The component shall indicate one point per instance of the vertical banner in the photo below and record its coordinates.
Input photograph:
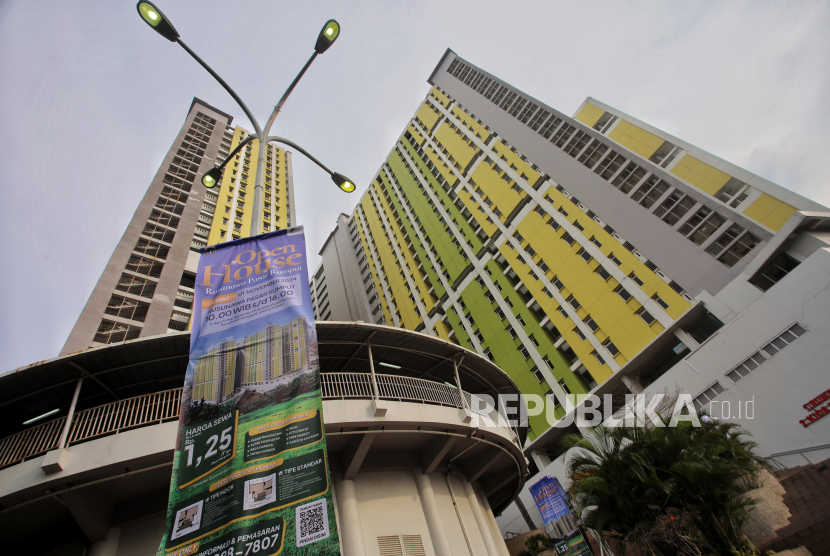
(250, 472)
(560, 524)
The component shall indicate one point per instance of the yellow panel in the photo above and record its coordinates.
(770, 212)
(589, 114)
(427, 115)
(703, 176)
(636, 139)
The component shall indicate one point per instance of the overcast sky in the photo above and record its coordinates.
(91, 100)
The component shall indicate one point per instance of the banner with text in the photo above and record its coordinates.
(250, 472)
(560, 524)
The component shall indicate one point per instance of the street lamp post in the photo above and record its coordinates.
(331, 30)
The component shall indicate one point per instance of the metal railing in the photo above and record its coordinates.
(401, 388)
(158, 407)
(92, 423)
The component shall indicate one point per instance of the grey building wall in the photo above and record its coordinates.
(340, 291)
(680, 259)
(173, 168)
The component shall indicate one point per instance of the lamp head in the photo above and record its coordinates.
(157, 20)
(343, 182)
(327, 36)
(212, 177)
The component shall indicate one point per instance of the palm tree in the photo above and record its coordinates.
(666, 490)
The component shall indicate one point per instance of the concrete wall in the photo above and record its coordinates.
(469, 531)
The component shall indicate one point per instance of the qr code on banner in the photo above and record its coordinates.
(312, 522)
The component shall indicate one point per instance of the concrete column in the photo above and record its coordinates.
(541, 459)
(350, 527)
(440, 541)
(494, 526)
(486, 536)
(632, 384)
(108, 546)
(684, 337)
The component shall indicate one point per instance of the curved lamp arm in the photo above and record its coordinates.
(339, 179)
(225, 85)
(234, 152)
(275, 139)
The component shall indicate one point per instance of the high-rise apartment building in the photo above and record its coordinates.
(147, 286)
(344, 294)
(562, 248)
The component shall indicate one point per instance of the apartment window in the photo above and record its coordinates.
(598, 357)
(562, 312)
(774, 271)
(511, 331)
(500, 314)
(520, 319)
(562, 135)
(603, 273)
(628, 178)
(708, 395)
(609, 165)
(650, 193)
(488, 354)
(725, 239)
(635, 279)
(783, 340)
(579, 226)
(479, 336)
(142, 265)
(586, 256)
(577, 143)
(151, 249)
(609, 345)
(579, 333)
(549, 126)
(158, 233)
(660, 301)
(595, 241)
(702, 232)
(534, 340)
(615, 260)
(567, 237)
(679, 211)
(746, 367)
(557, 283)
(591, 324)
(553, 224)
(111, 332)
(592, 154)
(127, 308)
(645, 315)
(548, 362)
(739, 249)
(623, 293)
(136, 286)
(573, 302)
(563, 211)
(524, 352)
(564, 386)
(509, 303)
(668, 204)
(537, 373)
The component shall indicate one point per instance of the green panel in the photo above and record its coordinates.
(409, 227)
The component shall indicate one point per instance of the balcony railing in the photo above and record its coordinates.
(159, 407)
(92, 423)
